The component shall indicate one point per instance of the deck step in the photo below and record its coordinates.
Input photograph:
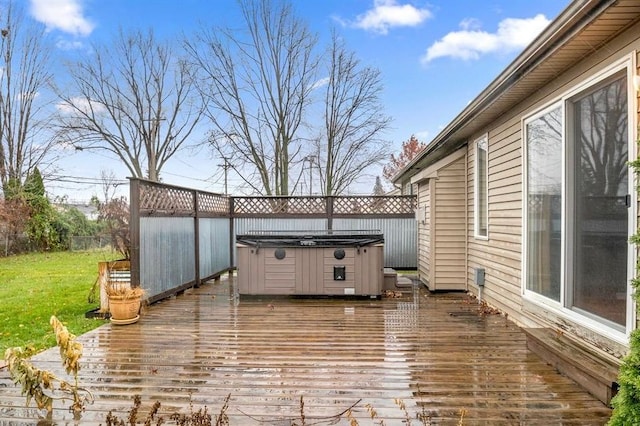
(390, 279)
(404, 282)
(393, 281)
(594, 373)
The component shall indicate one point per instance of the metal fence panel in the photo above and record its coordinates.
(168, 247)
(215, 246)
(249, 224)
(400, 238)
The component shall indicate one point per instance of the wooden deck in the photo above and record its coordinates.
(435, 353)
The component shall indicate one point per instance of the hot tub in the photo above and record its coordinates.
(311, 263)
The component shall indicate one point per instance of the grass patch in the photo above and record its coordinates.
(35, 286)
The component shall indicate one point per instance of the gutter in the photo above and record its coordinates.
(570, 22)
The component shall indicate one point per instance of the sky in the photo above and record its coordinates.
(434, 57)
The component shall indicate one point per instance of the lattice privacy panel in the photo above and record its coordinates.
(280, 205)
(164, 199)
(211, 203)
(373, 205)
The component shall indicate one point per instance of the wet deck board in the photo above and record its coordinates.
(433, 352)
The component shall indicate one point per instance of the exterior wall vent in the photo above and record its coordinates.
(478, 276)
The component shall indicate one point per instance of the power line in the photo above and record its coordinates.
(81, 180)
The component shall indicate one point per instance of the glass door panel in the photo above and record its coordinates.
(600, 212)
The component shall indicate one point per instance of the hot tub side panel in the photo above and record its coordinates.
(310, 271)
(369, 270)
(260, 272)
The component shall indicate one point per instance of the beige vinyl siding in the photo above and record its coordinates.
(424, 232)
(449, 227)
(500, 255)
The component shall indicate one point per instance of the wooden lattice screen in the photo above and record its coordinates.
(279, 206)
(374, 205)
(397, 206)
(165, 200)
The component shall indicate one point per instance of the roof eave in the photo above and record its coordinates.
(575, 16)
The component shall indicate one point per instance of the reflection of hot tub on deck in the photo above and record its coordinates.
(311, 263)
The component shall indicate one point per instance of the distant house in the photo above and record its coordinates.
(90, 211)
(527, 194)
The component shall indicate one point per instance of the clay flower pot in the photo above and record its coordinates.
(125, 309)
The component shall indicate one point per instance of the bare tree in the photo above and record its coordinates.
(353, 120)
(24, 65)
(135, 98)
(109, 184)
(258, 84)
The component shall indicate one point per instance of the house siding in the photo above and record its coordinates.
(424, 233)
(442, 224)
(449, 230)
(501, 253)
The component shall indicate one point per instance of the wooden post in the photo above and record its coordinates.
(196, 237)
(134, 230)
(232, 236)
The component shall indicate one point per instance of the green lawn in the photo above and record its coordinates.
(35, 286)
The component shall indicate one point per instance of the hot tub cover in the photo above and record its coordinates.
(333, 238)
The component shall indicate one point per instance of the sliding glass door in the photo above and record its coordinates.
(577, 208)
(600, 202)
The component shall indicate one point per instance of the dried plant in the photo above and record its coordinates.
(463, 413)
(43, 386)
(373, 413)
(124, 290)
(201, 417)
(115, 213)
(302, 418)
(403, 407)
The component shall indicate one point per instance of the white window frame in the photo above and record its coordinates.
(483, 140)
(628, 64)
(529, 294)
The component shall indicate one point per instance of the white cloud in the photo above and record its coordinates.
(69, 44)
(63, 15)
(25, 96)
(388, 13)
(79, 103)
(471, 43)
(322, 82)
(470, 24)
(422, 135)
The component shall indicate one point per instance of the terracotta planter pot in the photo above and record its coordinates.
(124, 310)
(105, 270)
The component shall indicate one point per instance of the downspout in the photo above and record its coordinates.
(466, 219)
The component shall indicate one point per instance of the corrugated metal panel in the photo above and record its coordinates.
(249, 224)
(215, 246)
(400, 238)
(167, 247)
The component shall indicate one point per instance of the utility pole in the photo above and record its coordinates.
(311, 159)
(226, 166)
